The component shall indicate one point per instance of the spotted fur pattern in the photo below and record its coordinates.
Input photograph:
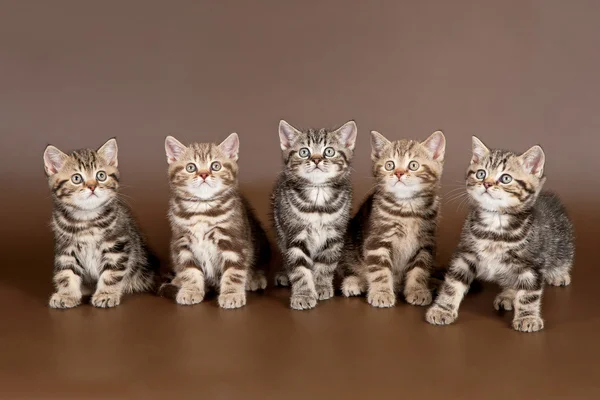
(311, 208)
(514, 235)
(216, 239)
(98, 246)
(391, 240)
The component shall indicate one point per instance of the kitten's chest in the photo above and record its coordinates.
(490, 265)
(204, 238)
(89, 255)
(405, 241)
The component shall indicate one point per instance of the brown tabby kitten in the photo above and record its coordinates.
(514, 235)
(391, 239)
(97, 242)
(217, 240)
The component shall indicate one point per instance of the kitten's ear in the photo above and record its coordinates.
(287, 134)
(479, 150)
(174, 149)
(378, 144)
(54, 160)
(347, 134)
(109, 151)
(231, 146)
(533, 161)
(436, 144)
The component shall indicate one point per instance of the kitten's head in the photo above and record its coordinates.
(318, 156)
(203, 170)
(407, 168)
(501, 181)
(84, 179)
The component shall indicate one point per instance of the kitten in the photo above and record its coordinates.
(514, 235)
(311, 208)
(217, 241)
(97, 241)
(392, 237)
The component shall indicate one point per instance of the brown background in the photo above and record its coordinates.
(74, 73)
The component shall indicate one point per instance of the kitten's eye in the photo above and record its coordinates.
(413, 166)
(329, 152)
(480, 174)
(304, 152)
(506, 178)
(215, 166)
(191, 167)
(77, 179)
(389, 165)
(101, 176)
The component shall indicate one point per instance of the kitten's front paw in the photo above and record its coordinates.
(106, 300)
(188, 297)
(421, 297)
(438, 316)
(381, 299)
(258, 282)
(528, 324)
(351, 286)
(324, 292)
(232, 300)
(63, 301)
(503, 303)
(303, 301)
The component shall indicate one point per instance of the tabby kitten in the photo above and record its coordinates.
(514, 235)
(97, 241)
(217, 241)
(311, 208)
(391, 238)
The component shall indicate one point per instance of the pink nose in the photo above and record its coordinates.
(399, 174)
(316, 161)
(92, 188)
(488, 184)
(203, 176)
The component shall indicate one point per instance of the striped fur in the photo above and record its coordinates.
(98, 246)
(311, 208)
(391, 242)
(514, 235)
(216, 239)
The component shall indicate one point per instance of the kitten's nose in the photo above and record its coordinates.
(399, 173)
(203, 175)
(317, 160)
(488, 184)
(92, 188)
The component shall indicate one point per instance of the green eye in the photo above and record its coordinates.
(329, 152)
(101, 176)
(304, 152)
(506, 178)
(77, 179)
(215, 166)
(191, 167)
(390, 165)
(480, 174)
(413, 166)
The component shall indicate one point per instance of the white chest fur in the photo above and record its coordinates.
(89, 255)
(203, 245)
(405, 242)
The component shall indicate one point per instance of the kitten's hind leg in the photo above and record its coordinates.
(560, 276)
(282, 279)
(256, 281)
(505, 300)
(353, 285)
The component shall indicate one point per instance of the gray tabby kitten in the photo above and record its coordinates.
(392, 237)
(311, 208)
(97, 241)
(514, 235)
(217, 241)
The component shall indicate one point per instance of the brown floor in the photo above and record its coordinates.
(74, 73)
(150, 348)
